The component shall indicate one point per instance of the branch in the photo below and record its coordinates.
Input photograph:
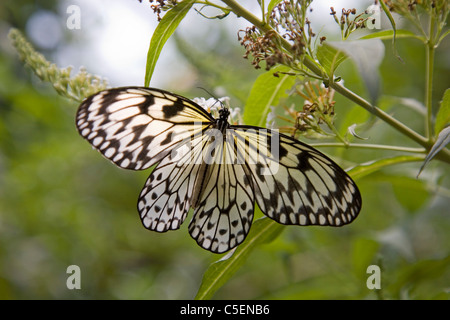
(240, 11)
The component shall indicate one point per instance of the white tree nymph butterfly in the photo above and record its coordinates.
(217, 169)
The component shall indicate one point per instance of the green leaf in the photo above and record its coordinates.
(443, 115)
(410, 192)
(389, 34)
(270, 7)
(363, 254)
(367, 55)
(412, 276)
(442, 140)
(163, 31)
(365, 169)
(264, 230)
(389, 15)
(394, 28)
(330, 57)
(266, 92)
(355, 115)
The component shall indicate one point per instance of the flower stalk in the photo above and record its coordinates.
(75, 87)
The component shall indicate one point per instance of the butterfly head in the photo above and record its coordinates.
(224, 113)
(222, 122)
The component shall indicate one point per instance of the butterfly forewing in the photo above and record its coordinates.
(137, 127)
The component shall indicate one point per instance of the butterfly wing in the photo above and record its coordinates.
(167, 195)
(224, 212)
(136, 127)
(294, 183)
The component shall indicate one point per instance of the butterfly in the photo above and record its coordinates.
(217, 169)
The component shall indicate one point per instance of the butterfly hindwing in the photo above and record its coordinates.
(166, 197)
(224, 214)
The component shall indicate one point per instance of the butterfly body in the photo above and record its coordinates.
(218, 169)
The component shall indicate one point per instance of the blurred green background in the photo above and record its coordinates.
(63, 204)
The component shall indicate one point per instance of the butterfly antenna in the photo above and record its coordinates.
(217, 99)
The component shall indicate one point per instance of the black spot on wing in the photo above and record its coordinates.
(273, 141)
(149, 101)
(303, 159)
(172, 110)
(283, 152)
(167, 139)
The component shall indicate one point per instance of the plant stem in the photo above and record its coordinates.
(240, 11)
(311, 65)
(369, 146)
(430, 48)
(208, 3)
